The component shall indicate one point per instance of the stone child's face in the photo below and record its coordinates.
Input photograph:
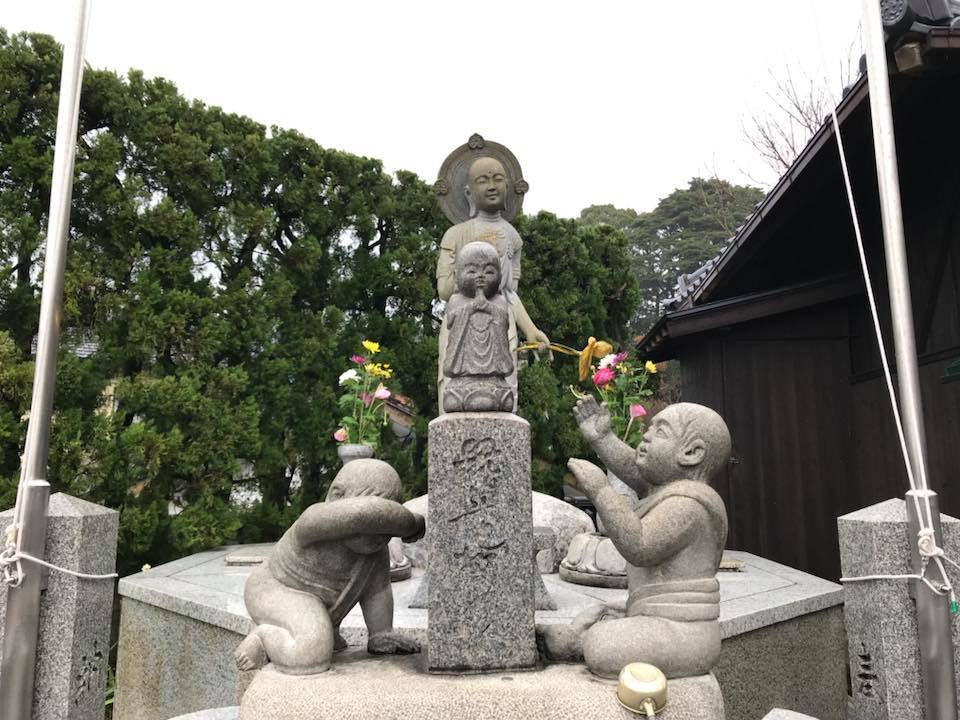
(479, 275)
(658, 451)
(487, 183)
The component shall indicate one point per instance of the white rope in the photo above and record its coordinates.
(10, 556)
(926, 541)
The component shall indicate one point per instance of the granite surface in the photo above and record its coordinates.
(170, 664)
(799, 665)
(565, 519)
(224, 713)
(880, 615)
(481, 544)
(73, 645)
(205, 618)
(362, 688)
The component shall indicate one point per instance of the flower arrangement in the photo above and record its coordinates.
(623, 386)
(362, 403)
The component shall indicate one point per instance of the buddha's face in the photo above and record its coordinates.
(479, 274)
(660, 453)
(487, 184)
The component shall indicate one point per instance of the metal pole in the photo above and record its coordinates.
(23, 612)
(23, 603)
(934, 629)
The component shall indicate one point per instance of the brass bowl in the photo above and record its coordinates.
(642, 689)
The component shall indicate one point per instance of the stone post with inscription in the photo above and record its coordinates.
(881, 616)
(73, 647)
(481, 534)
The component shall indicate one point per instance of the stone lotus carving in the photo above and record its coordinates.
(672, 540)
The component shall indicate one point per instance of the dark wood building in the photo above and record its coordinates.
(776, 332)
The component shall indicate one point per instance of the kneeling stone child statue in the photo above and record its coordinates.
(334, 556)
(672, 540)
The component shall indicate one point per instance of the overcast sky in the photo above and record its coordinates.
(602, 102)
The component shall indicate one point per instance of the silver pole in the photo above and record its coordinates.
(23, 612)
(934, 630)
(23, 603)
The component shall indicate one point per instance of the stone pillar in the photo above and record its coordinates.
(74, 640)
(481, 544)
(880, 615)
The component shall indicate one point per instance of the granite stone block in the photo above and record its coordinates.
(170, 664)
(225, 713)
(799, 665)
(481, 535)
(364, 688)
(771, 616)
(880, 615)
(73, 645)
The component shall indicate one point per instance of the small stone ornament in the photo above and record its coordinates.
(672, 538)
(334, 556)
(478, 361)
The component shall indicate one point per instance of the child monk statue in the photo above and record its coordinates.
(672, 540)
(334, 556)
(478, 361)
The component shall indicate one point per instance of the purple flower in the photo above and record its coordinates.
(358, 359)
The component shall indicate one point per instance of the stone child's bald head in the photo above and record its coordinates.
(478, 268)
(366, 477)
(684, 440)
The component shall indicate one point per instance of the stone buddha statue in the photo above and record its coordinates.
(478, 359)
(487, 194)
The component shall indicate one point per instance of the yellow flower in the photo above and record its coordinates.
(371, 346)
(379, 370)
(650, 367)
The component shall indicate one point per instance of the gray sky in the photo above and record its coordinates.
(602, 102)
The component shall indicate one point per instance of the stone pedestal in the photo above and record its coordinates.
(73, 646)
(481, 544)
(366, 688)
(880, 615)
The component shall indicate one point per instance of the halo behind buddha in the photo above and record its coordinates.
(452, 179)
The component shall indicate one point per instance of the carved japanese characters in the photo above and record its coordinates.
(672, 540)
(334, 556)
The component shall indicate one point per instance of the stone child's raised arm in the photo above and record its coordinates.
(618, 457)
(366, 515)
(651, 539)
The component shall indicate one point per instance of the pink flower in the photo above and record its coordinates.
(637, 411)
(340, 435)
(366, 398)
(381, 393)
(358, 359)
(603, 376)
(619, 358)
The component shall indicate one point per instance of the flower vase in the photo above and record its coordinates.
(353, 451)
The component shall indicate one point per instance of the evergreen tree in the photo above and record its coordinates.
(687, 228)
(219, 274)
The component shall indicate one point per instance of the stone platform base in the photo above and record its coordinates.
(363, 688)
